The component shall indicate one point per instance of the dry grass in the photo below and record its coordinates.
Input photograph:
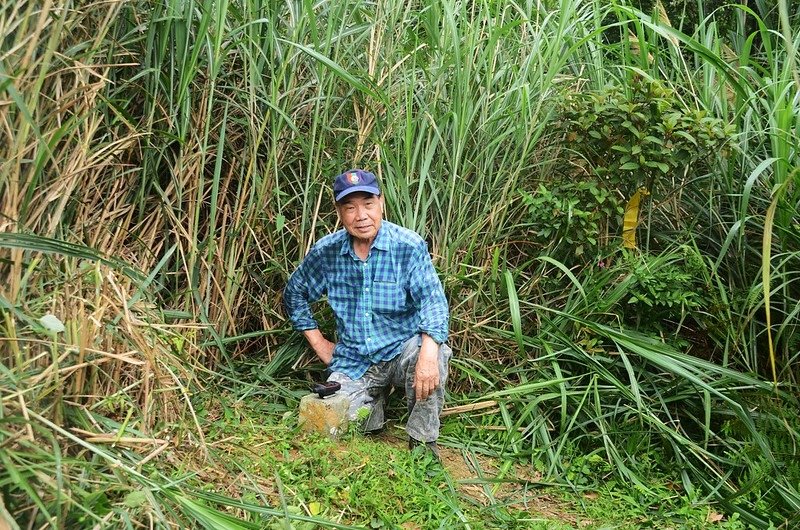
(141, 364)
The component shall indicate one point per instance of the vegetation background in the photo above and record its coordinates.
(609, 191)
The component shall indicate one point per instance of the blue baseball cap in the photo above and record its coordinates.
(352, 181)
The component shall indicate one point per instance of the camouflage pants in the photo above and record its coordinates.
(371, 390)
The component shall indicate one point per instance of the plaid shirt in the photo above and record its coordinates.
(379, 303)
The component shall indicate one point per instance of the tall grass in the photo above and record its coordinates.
(603, 382)
(166, 164)
(742, 212)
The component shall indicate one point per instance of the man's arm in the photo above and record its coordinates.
(428, 295)
(306, 285)
(426, 376)
(321, 346)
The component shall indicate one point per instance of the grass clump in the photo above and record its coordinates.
(355, 480)
(375, 482)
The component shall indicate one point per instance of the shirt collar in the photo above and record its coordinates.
(382, 240)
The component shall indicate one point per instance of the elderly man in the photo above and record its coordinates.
(391, 312)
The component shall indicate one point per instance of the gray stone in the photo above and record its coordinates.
(326, 416)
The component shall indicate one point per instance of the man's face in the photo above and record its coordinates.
(361, 215)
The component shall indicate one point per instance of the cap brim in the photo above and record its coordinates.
(368, 189)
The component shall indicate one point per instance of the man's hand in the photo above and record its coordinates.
(426, 376)
(321, 346)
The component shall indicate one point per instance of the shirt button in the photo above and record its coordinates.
(369, 339)
(366, 314)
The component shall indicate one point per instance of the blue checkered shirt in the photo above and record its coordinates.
(379, 303)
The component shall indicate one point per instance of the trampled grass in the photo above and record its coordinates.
(375, 482)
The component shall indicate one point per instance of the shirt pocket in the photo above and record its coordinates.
(341, 300)
(388, 297)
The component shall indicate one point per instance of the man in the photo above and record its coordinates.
(390, 308)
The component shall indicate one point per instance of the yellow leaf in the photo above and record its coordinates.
(315, 508)
(631, 218)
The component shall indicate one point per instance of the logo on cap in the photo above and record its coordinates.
(353, 178)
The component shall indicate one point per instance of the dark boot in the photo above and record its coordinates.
(430, 447)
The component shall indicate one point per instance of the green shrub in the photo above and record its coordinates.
(639, 135)
(571, 213)
(665, 288)
(617, 140)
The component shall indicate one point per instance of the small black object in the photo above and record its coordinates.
(326, 389)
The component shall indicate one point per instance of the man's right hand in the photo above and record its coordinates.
(321, 346)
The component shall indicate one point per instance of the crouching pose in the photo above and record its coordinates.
(391, 311)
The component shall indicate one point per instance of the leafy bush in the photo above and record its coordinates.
(619, 138)
(640, 135)
(665, 286)
(571, 213)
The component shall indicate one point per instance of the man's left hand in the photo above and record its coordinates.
(426, 376)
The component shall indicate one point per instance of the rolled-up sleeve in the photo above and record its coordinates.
(305, 286)
(428, 295)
